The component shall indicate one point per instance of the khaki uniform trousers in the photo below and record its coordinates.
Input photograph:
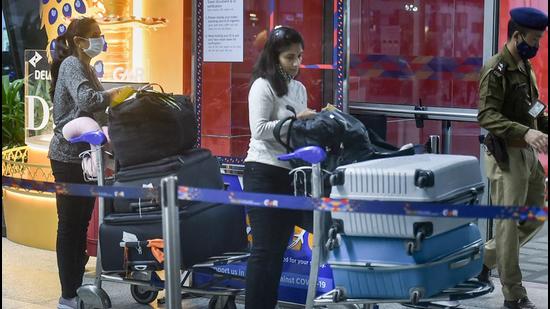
(523, 184)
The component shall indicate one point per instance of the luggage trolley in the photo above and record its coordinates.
(145, 285)
(462, 260)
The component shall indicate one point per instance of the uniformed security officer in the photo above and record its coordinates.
(509, 109)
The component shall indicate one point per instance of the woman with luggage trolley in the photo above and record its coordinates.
(273, 88)
(76, 92)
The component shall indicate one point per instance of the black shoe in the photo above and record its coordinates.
(523, 303)
(510, 304)
(485, 276)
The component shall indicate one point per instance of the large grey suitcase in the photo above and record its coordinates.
(452, 179)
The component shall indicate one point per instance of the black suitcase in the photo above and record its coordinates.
(194, 168)
(207, 229)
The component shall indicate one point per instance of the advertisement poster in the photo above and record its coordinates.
(296, 265)
(295, 276)
(223, 31)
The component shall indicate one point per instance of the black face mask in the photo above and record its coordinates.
(525, 50)
(287, 77)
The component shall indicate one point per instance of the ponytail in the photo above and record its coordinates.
(64, 46)
(60, 51)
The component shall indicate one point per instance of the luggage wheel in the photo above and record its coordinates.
(415, 245)
(332, 241)
(222, 302)
(415, 297)
(143, 294)
(331, 244)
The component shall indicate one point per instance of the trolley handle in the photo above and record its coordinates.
(95, 138)
(310, 154)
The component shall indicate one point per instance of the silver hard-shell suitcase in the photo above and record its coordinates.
(453, 179)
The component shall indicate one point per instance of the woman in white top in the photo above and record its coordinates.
(273, 88)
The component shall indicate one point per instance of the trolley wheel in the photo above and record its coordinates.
(142, 294)
(415, 297)
(229, 302)
(80, 304)
(337, 296)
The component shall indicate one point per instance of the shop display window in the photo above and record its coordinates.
(146, 42)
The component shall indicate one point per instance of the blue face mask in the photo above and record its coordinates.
(95, 48)
(525, 50)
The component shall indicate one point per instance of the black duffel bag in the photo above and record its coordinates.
(151, 126)
(345, 138)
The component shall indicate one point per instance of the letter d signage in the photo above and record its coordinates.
(33, 109)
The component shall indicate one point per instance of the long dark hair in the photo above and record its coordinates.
(64, 46)
(280, 39)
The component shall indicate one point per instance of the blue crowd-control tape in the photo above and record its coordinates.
(358, 206)
(291, 202)
(80, 189)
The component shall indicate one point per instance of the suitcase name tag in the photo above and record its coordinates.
(536, 109)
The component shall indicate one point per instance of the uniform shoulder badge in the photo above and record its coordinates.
(500, 68)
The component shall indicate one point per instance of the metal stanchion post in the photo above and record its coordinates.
(171, 235)
(101, 210)
(318, 221)
(314, 266)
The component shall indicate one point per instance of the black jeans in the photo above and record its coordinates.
(271, 231)
(73, 213)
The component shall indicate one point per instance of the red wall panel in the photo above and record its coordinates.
(540, 62)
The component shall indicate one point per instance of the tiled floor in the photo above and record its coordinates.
(29, 280)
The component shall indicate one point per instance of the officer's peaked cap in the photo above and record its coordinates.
(530, 18)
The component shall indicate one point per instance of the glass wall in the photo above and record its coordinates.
(223, 94)
(418, 52)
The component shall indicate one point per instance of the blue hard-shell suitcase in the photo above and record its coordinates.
(374, 267)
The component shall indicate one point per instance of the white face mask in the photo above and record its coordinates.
(95, 48)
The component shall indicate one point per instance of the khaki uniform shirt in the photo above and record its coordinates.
(505, 94)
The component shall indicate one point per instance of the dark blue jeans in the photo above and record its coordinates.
(73, 213)
(271, 232)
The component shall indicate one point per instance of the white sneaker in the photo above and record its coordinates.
(67, 303)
